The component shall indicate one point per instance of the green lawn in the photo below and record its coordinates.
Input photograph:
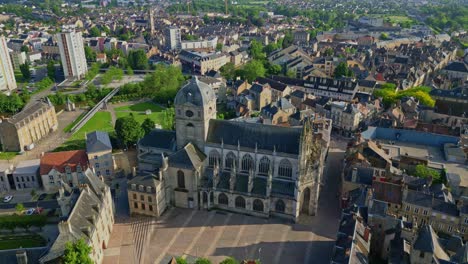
(72, 124)
(101, 121)
(24, 241)
(7, 155)
(140, 107)
(157, 117)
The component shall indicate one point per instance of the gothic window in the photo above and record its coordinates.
(280, 206)
(223, 199)
(285, 168)
(247, 162)
(214, 158)
(230, 161)
(240, 202)
(264, 166)
(180, 179)
(258, 205)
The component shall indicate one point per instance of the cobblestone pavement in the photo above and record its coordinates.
(218, 234)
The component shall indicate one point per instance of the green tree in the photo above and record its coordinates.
(228, 71)
(51, 69)
(24, 48)
(219, 46)
(342, 70)
(94, 32)
(128, 130)
(202, 261)
(329, 52)
(384, 36)
(90, 54)
(252, 70)
(423, 171)
(288, 39)
(129, 71)
(25, 71)
(256, 50)
(77, 252)
(229, 260)
(137, 59)
(148, 125)
(180, 260)
(291, 73)
(19, 208)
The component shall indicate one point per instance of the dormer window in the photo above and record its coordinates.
(67, 169)
(148, 189)
(141, 188)
(133, 186)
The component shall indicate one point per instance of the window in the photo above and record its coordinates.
(143, 206)
(450, 229)
(421, 254)
(223, 199)
(285, 168)
(466, 221)
(51, 177)
(408, 208)
(150, 199)
(134, 196)
(240, 202)
(258, 205)
(17, 178)
(135, 205)
(107, 172)
(22, 179)
(214, 158)
(416, 210)
(230, 161)
(247, 163)
(33, 179)
(95, 157)
(97, 165)
(189, 113)
(151, 208)
(280, 206)
(425, 212)
(264, 166)
(180, 179)
(142, 197)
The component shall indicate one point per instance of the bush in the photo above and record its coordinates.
(202, 261)
(22, 221)
(229, 261)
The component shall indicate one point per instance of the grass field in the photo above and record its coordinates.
(138, 111)
(101, 121)
(140, 107)
(24, 241)
(7, 155)
(72, 124)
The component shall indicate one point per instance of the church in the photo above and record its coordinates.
(206, 163)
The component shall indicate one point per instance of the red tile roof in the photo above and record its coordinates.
(59, 160)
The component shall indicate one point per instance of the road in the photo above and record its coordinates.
(49, 204)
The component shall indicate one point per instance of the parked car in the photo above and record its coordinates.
(38, 210)
(7, 198)
(30, 211)
(42, 197)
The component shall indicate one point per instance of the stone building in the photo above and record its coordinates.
(5, 171)
(255, 169)
(21, 131)
(26, 174)
(146, 195)
(99, 151)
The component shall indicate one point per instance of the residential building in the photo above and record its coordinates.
(99, 151)
(5, 172)
(7, 74)
(91, 218)
(345, 117)
(18, 58)
(66, 166)
(71, 47)
(457, 70)
(173, 38)
(21, 131)
(202, 62)
(209, 43)
(26, 174)
(146, 195)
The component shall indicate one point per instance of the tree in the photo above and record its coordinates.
(256, 50)
(229, 260)
(90, 54)
(24, 48)
(180, 260)
(252, 70)
(384, 36)
(148, 125)
(219, 46)
(77, 252)
(24, 68)
(202, 261)
(228, 71)
(328, 52)
(342, 70)
(291, 73)
(51, 69)
(288, 39)
(19, 208)
(129, 71)
(94, 32)
(128, 130)
(137, 60)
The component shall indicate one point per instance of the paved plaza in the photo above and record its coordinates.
(218, 234)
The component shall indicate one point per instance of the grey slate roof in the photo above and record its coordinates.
(188, 157)
(145, 180)
(27, 167)
(457, 66)
(98, 141)
(427, 241)
(33, 255)
(250, 135)
(159, 138)
(418, 198)
(195, 92)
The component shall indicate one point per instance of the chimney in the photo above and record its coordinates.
(21, 257)
(354, 175)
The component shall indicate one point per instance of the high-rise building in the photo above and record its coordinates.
(173, 39)
(7, 75)
(71, 47)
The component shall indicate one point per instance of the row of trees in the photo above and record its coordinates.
(229, 260)
(11, 222)
(390, 96)
(112, 74)
(10, 104)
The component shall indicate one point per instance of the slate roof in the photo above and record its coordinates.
(273, 84)
(33, 255)
(387, 192)
(98, 141)
(257, 88)
(196, 93)
(60, 160)
(145, 180)
(364, 175)
(409, 136)
(457, 66)
(188, 157)
(419, 198)
(427, 241)
(250, 135)
(159, 138)
(30, 111)
(27, 167)
(298, 94)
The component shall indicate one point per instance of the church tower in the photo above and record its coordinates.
(195, 105)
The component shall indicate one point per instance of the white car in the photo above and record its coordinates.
(30, 211)
(7, 198)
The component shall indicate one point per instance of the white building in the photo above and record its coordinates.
(72, 53)
(173, 38)
(7, 75)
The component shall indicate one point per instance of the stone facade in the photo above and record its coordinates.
(22, 130)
